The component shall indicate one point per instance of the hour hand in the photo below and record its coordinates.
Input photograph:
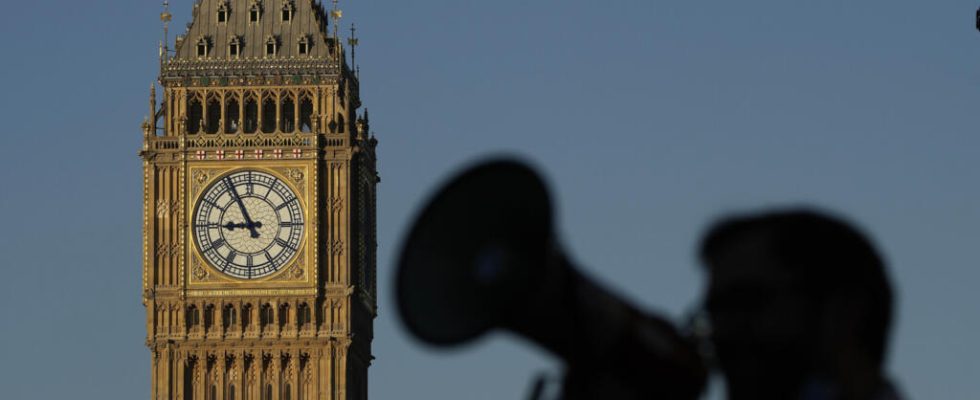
(244, 225)
(231, 226)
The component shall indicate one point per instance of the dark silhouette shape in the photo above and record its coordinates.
(483, 255)
(799, 307)
(798, 304)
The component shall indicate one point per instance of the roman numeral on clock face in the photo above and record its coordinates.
(213, 204)
(257, 229)
(285, 204)
(216, 244)
(285, 244)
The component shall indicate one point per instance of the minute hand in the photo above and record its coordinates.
(238, 199)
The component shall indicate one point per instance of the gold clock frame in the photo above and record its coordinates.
(298, 276)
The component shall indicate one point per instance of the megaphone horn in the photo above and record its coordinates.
(482, 254)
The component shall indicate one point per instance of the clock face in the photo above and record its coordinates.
(248, 224)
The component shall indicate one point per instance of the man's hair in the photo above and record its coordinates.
(825, 253)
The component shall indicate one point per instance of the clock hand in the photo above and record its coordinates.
(231, 225)
(238, 199)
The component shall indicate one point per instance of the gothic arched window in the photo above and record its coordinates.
(287, 11)
(306, 115)
(283, 316)
(195, 115)
(265, 314)
(246, 316)
(214, 116)
(271, 46)
(251, 115)
(269, 115)
(223, 12)
(232, 115)
(303, 315)
(304, 45)
(203, 47)
(228, 317)
(208, 317)
(255, 13)
(287, 115)
(235, 47)
(193, 317)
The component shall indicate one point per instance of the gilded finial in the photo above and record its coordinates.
(336, 14)
(353, 42)
(165, 17)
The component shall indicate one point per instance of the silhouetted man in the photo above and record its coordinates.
(799, 306)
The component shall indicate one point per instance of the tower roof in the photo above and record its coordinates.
(248, 37)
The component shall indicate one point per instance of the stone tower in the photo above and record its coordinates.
(259, 193)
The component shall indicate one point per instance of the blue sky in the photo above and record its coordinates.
(649, 119)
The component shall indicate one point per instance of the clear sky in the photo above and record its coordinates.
(649, 118)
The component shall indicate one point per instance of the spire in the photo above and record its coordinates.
(153, 107)
(336, 14)
(259, 41)
(165, 17)
(353, 42)
(363, 126)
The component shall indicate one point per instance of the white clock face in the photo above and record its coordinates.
(248, 224)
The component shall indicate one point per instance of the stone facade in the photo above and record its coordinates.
(233, 103)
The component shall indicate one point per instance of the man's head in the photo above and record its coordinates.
(795, 298)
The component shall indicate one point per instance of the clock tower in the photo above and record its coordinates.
(259, 197)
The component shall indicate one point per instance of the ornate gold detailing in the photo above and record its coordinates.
(199, 271)
(174, 207)
(337, 247)
(295, 271)
(190, 356)
(162, 208)
(201, 176)
(167, 249)
(295, 174)
(221, 141)
(178, 72)
(250, 292)
(336, 203)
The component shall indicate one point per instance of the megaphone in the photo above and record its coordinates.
(482, 255)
